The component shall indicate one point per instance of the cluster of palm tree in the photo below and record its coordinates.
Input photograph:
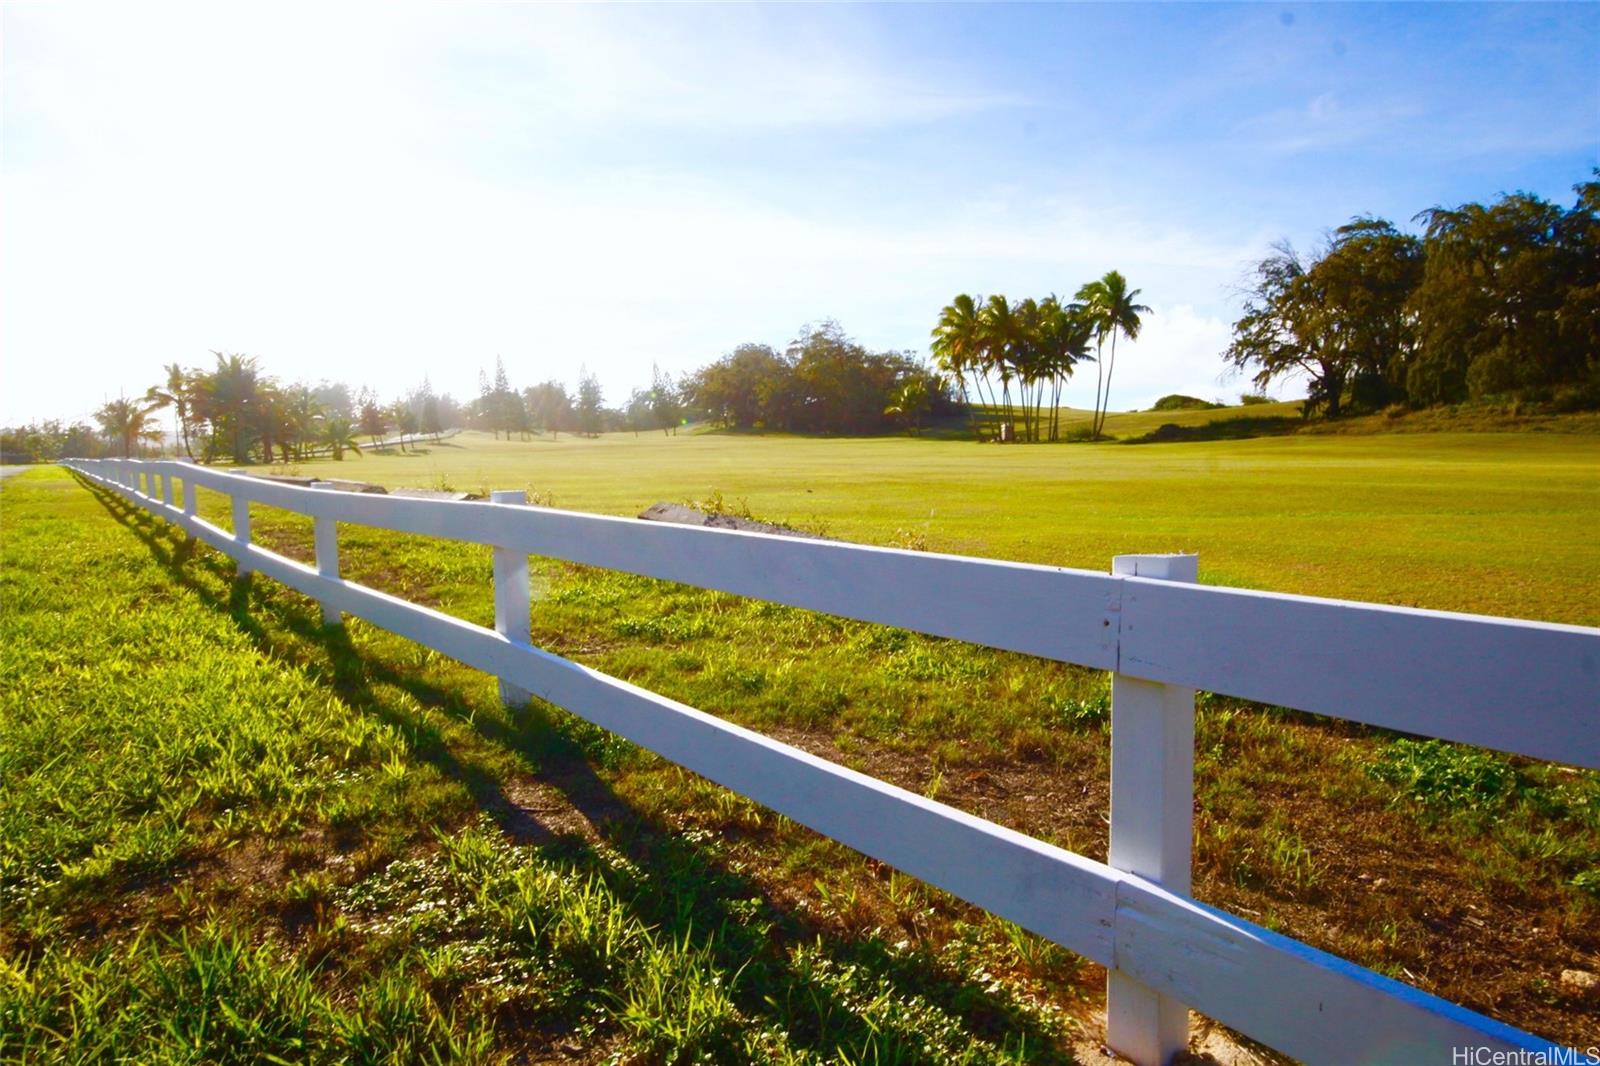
(127, 426)
(236, 411)
(1033, 346)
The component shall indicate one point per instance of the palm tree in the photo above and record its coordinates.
(127, 424)
(1112, 308)
(1064, 339)
(175, 393)
(958, 342)
(227, 398)
(274, 422)
(301, 413)
(999, 346)
(910, 402)
(1029, 356)
(339, 433)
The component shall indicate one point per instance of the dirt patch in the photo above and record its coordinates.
(535, 811)
(1386, 894)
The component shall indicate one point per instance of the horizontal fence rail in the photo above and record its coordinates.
(1524, 687)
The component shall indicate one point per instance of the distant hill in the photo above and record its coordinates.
(1179, 402)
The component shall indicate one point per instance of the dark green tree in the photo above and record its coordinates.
(589, 405)
(1507, 303)
(665, 401)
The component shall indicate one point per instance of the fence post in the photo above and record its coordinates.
(166, 488)
(512, 602)
(325, 532)
(241, 528)
(241, 534)
(1152, 821)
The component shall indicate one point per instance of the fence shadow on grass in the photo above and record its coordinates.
(672, 883)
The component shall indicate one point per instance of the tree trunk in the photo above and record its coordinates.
(1099, 376)
(1111, 368)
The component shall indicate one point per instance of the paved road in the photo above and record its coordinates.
(7, 471)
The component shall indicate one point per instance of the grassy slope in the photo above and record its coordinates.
(1125, 425)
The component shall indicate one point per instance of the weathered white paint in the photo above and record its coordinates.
(512, 603)
(1152, 808)
(1286, 994)
(325, 532)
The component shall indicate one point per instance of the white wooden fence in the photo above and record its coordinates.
(1525, 687)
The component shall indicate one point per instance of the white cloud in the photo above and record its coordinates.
(1179, 350)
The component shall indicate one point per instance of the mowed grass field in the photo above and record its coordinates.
(1493, 523)
(228, 832)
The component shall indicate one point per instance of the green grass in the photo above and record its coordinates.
(386, 858)
(228, 833)
(1494, 523)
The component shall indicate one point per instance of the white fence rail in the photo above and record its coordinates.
(1524, 687)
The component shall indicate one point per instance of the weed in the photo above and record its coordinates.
(1080, 712)
(909, 539)
(1444, 777)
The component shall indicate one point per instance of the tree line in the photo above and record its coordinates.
(822, 382)
(1036, 345)
(1488, 302)
(548, 407)
(235, 411)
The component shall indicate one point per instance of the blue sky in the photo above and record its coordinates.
(375, 193)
